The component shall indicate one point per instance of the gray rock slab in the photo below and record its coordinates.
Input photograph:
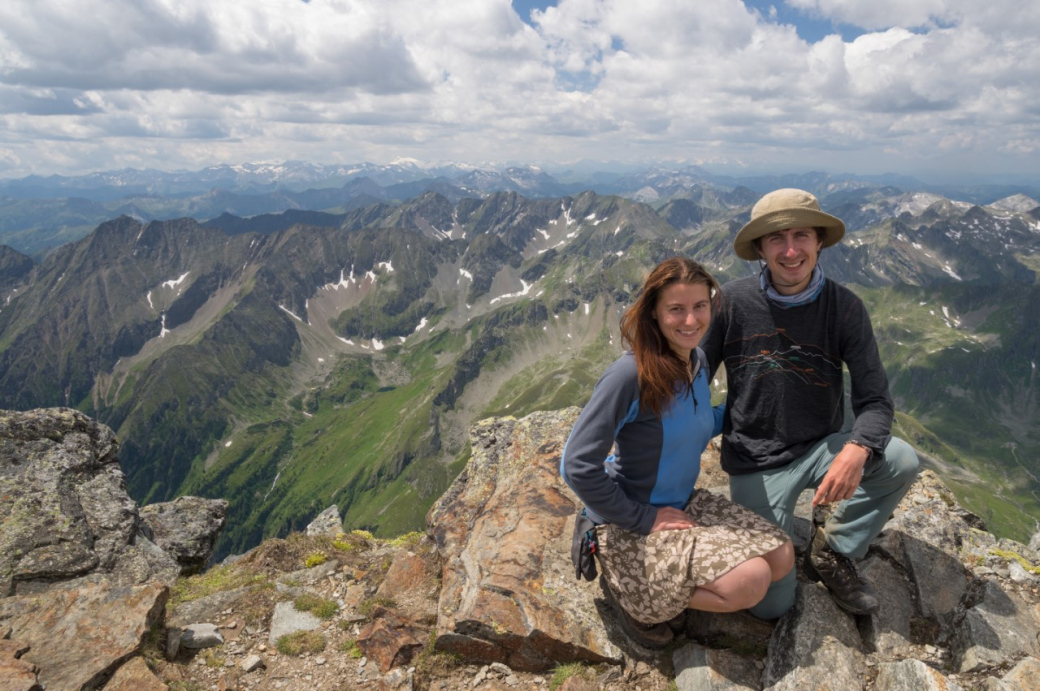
(1018, 573)
(77, 636)
(251, 663)
(926, 541)
(287, 619)
(66, 514)
(186, 528)
(889, 628)
(705, 669)
(999, 626)
(814, 646)
(912, 675)
(201, 635)
(328, 522)
(1025, 676)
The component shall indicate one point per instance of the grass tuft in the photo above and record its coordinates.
(301, 642)
(217, 580)
(315, 559)
(318, 606)
(564, 672)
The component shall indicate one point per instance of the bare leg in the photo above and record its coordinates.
(739, 588)
(780, 560)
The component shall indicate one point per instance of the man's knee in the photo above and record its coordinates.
(901, 460)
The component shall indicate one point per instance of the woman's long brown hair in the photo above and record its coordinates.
(662, 374)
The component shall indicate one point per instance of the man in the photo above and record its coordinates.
(783, 336)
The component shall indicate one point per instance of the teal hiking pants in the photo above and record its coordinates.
(855, 522)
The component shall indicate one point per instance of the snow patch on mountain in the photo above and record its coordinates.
(289, 312)
(176, 282)
(1016, 203)
(344, 281)
(524, 290)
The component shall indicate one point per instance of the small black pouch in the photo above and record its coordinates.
(583, 547)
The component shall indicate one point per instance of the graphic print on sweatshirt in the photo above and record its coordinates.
(777, 354)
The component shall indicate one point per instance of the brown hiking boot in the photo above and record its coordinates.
(839, 574)
(654, 636)
(678, 623)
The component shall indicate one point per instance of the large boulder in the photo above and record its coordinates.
(81, 585)
(815, 641)
(185, 528)
(80, 636)
(504, 527)
(65, 511)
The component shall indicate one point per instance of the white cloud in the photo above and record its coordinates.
(185, 83)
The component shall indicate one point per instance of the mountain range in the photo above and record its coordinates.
(338, 354)
(39, 213)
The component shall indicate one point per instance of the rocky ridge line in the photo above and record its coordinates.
(487, 599)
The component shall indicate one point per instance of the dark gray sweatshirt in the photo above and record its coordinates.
(784, 372)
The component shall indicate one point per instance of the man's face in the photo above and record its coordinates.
(791, 256)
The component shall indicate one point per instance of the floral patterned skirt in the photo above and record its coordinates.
(653, 576)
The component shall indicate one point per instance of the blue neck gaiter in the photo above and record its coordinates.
(811, 292)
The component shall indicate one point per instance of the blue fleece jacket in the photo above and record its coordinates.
(655, 459)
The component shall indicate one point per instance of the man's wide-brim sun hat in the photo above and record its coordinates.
(783, 209)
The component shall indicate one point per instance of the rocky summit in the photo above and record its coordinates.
(100, 594)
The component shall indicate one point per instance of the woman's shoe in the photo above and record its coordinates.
(678, 623)
(654, 636)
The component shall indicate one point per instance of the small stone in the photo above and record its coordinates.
(173, 642)
(1018, 573)
(320, 660)
(501, 669)
(199, 636)
(511, 680)
(252, 663)
(642, 668)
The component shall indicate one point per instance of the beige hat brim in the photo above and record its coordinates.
(782, 219)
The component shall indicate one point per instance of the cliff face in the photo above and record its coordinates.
(487, 598)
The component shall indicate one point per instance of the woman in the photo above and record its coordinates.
(663, 546)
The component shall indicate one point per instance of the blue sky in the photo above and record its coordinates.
(867, 86)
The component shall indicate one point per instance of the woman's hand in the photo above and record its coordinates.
(672, 519)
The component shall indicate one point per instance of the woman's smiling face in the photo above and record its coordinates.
(683, 313)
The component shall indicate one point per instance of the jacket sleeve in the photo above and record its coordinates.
(871, 400)
(615, 401)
